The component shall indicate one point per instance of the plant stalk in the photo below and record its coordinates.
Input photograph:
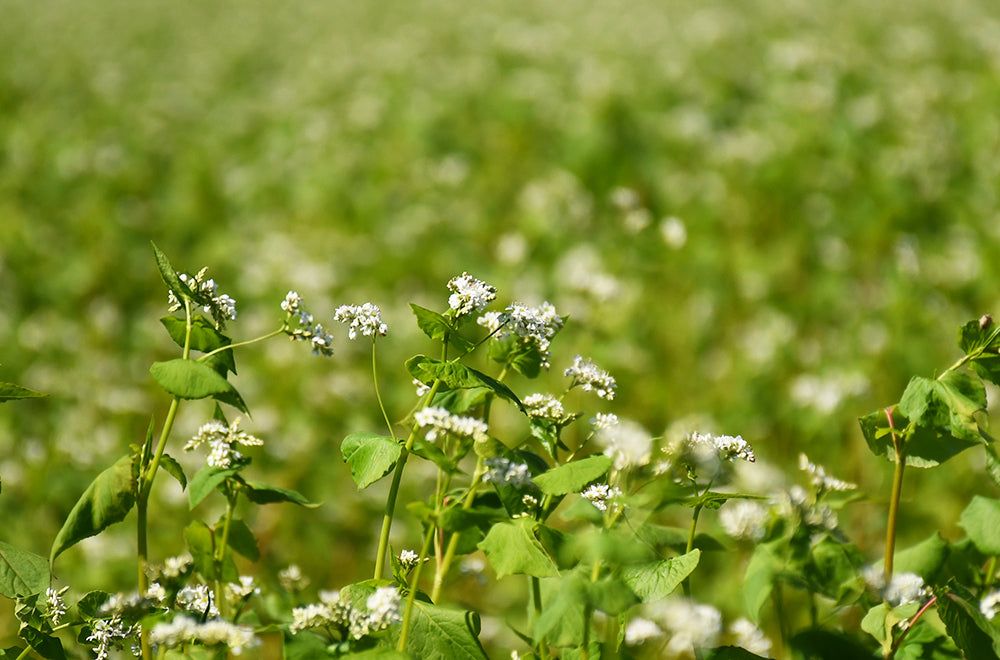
(897, 488)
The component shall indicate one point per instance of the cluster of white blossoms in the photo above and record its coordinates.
(603, 421)
(544, 407)
(206, 293)
(903, 588)
(198, 599)
(246, 587)
(469, 295)
(744, 519)
(626, 443)
(108, 633)
(502, 471)
(727, 447)
(55, 604)
(748, 636)
(292, 579)
(536, 325)
(172, 568)
(222, 441)
(316, 335)
(796, 504)
(600, 494)
(382, 609)
(990, 604)
(640, 630)
(366, 319)
(691, 626)
(822, 482)
(408, 559)
(440, 422)
(590, 377)
(184, 630)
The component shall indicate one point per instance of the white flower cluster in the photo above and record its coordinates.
(544, 407)
(382, 610)
(744, 519)
(728, 447)
(796, 504)
(990, 604)
(107, 633)
(186, 630)
(366, 319)
(321, 340)
(505, 471)
(198, 599)
(536, 325)
(691, 625)
(56, 605)
(408, 559)
(590, 377)
(640, 630)
(245, 588)
(903, 588)
(130, 606)
(440, 422)
(600, 494)
(222, 441)
(748, 636)
(820, 480)
(292, 579)
(627, 444)
(172, 568)
(469, 295)
(603, 421)
(206, 293)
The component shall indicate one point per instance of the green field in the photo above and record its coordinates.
(762, 217)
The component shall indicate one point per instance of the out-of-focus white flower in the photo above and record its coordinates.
(750, 637)
(639, 630)
(744, 519)
(903, 588)
(627, 443)
(440, 422)
(691, 626)
(602, 421)
(590, 377)
(186, 630)
(990, 604)
(820, 480)
(469, 295)
(600, 494)
(292, 579)
(366, 319)
(243, 589)
(502, 471)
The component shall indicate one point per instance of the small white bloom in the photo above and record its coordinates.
(545, 407)
(744, 519)
(590, 377)
(750, 637)
(222, 440)
(222, 307)
(603, 421)
(366, 319)
(198, 599)
(185, 630)
(408, 559)
(600, 494)
(292, 579)
(55, 603)
(627, 443)
(469, 294)
(503, 471)
(422, 388)
(692, 625)
(156, 593)
(440, 422)
(820, 480)
(906, 588)
(535, 325)
(728, 447)
(640, 630)
(243, 589)
(108, 633)
(990, 604)
(383, 608)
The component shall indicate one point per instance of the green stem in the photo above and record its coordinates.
(408, 613)
(899, 447)
(991, 570)
(449, 553)
(390, 503)
(25, 653)
(229, 347)
(378, 394)
(536, 600)
(220, 553)
(690, 546)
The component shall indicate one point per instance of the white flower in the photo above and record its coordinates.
(744, 519)
(504, 471)
(366, 319)
(198, 599)
(990, 604)
(750, 637)
(292, 579)
(222, 440)
(639, 630)
(107, 632)
(55, 603)
(627, 444)
(536, 325)
(603, 421)
(156, 593)
(590, 377)
(728, 447)
(600, 494)
(320, 339)
(383, 608)
(441, 422)
(469, 294)
(545, 407)
(184, 630)
(244, 589)
(820, 480)
(692, 625)
(206, 293)
(174, 567)
(905, 588)
(422, 388)
(408, 559)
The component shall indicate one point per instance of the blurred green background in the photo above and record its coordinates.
(765, 214)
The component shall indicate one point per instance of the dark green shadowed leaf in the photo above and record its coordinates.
(207, 479)
(820, 644)
(370, 456)
(10, 392)
(731, 653)
(174, 469)
(976, 636)
(204, 338)
(89, 606)
(573, 477)
(169, 275)
(656, 580)
(47, 646)
(259, 493)
(22, 573)
(106, 501)
(455, 375)
(241, 539)
(437, 327)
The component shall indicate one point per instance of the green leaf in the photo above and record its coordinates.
(459, 401)
(656, 580)
(174, 469)
(675, 538)
(201, 544)
(189, 379)
(241, 539)
(305, 645)
(439, 633)
(512, 548)
(731, 653)
(832, 567)
(10, 392)
(47, 646)
(969, 629)
(925, 449)
(573, 477)
(433, 453)
(981, 521)
(89, 606)
(924, 559)
(207, 480)
(949, 404)
(370, 456)
(764, 568)
(563, 602)
(169, 275)
(610, 595)
(973, 336)
(22, 573)
(455, 375)
(259, 493)
(204, 338)
(437, 327)
(523, 355)
(821, 644)
(107, 500)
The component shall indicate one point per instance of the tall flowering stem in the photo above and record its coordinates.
(899, 447)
